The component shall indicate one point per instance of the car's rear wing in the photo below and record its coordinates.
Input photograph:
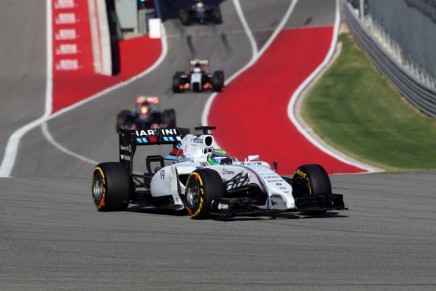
(203, 63)
(149, 99)
(130, 139)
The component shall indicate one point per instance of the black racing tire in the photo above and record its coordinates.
(216, 16)
(184, 17)
(177, 81)
(202, 187)
(217, 82)
(110, 187)
(122, 119)
(169, 118)
(221, 76)
(311, 179)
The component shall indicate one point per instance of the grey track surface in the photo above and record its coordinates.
(52, 237)
(22, 65)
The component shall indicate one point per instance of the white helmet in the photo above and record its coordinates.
(197, 70)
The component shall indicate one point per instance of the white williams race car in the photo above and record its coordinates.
(205, 181)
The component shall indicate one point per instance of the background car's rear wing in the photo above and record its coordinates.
(149, 99)
(130, 139)
(203, 63)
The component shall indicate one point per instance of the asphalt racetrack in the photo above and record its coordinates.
(53, 238)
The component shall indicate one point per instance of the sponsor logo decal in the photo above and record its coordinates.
(227, 172)
(66, 34)
(222, 206)
(151, 132)
(126, 148)
(197, 140)
(62, 4)
(238, 181)
(66, 18)
(125, 158)
(67, 49)
(67, 65)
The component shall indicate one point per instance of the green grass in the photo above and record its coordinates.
(354, 109)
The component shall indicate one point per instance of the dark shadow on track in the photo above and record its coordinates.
(279, 215)
(157, 211)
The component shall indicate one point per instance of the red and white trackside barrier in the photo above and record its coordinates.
(100, 37)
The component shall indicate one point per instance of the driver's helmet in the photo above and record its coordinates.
(199, 5)
(197, 70)
(144, 109)
(219, 157)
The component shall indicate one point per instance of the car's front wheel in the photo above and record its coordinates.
(311, 180)
(202, 187)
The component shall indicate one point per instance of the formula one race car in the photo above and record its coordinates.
(198, 78)
(205, 181)
(201, 13)
(145, 116)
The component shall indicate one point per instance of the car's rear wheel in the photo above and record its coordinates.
(122, 119)
(177, 81)
(216, 15)
(221, 76)
(202, 187)
(217, 81)
(169, 118)
(184, 17)
(311, 179)
(110, 187)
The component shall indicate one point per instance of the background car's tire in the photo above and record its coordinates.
(110, 187)
(184, 17)
(202, 187)
(311, 179)
(221, 76)
(169, 118)
(216, 16)
(122, 119)
(217, 81)
(177, 81)
(196, 87)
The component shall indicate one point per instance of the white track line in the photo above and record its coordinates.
(297, 94)
(14, 140)
(10, 154)
(93, 97)
(122, 84)
(63, 149)
(255, 53)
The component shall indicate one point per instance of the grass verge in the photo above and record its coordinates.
(354, 109)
